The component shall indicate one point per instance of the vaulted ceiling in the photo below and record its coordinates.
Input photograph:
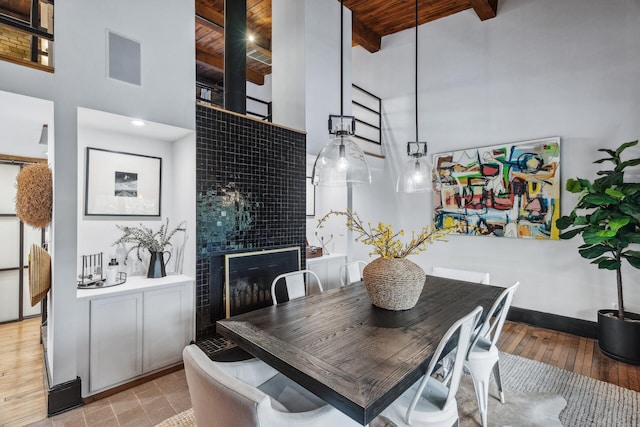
(371, 20)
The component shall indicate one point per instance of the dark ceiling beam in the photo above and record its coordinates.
(217, 62)
(485, 9)
(210, 15)
(364, 36)
(210, 24)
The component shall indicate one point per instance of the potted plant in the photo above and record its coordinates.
(155, 242)
(606, 216)
(392, 281)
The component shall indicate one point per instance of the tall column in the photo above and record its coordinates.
(235, 56)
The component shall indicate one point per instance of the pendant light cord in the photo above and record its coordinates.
(416, 73)
(341, 59)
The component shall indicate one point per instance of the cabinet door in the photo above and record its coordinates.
(333, 272)
(320, 268)
(116, 340)
(168, 325)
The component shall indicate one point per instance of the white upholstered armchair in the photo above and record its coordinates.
(251, 393)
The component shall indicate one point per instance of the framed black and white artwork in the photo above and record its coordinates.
(122, 184)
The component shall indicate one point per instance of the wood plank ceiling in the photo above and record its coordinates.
(372, 20)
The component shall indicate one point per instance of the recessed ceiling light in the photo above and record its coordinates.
(137, 122)
(251, 37)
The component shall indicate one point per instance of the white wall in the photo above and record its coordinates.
(166, 96)
(565, 68)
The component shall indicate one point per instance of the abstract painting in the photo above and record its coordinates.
(507, 190)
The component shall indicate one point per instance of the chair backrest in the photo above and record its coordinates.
(218, 397)
(469, 276)
(496, 316)
(464, 327)
(295, 284)
(351, 272)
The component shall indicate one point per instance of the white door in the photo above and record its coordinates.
(15, 237)
(115, 351)
(168, 325)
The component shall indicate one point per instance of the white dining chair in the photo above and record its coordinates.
(430, 401)
(483, 355)
(250, 394)
(296, 284)
(469, 276)
(351, 272)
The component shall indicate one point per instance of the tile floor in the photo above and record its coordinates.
(145, 405)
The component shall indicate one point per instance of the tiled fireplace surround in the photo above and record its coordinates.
(250, 180)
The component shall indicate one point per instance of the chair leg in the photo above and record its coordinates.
(481, 386)
(496, 374)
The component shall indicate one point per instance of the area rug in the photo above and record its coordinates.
(536, 394)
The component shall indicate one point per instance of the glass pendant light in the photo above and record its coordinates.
(415, 176)
(341, 162)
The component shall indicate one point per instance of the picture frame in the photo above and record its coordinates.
(504, 190)
(122, 184)
(311, 198)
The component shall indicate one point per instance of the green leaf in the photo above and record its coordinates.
(632, 162)
(624, 146)
(633, 257)
(594, 251)
(617, 223)
(580, 220)
(632, 254)
(629, 208)
(593, 235)
(607, 263)
(564, 222)
(630, 188)
(606, 233)
(573, 185)
(609, 152)
(571, 233)
(631, 237)
(635, 262)
(600, 199)
(614, 193)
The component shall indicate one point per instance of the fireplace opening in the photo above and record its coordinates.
(241, 282)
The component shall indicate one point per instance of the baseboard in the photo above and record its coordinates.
(134, 383)
(60, 397)
(570, 325)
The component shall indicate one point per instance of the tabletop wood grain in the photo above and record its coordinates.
(356, 356)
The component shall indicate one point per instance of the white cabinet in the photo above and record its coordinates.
(167, 321)
(115, 354)
(134, 329)
(327, 267)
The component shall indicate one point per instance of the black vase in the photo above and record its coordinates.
(157, 264)
(619, 339)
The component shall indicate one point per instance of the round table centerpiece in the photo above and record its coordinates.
(392, 281)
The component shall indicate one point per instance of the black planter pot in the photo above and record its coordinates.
(619, 339)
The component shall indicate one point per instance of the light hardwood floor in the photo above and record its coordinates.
(22, 399)
(22, 396)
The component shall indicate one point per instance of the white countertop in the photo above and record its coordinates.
(133, 284)
(325, 258)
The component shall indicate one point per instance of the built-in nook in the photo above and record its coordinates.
(250, 178)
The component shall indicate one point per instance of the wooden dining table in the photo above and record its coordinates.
(355, 356)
